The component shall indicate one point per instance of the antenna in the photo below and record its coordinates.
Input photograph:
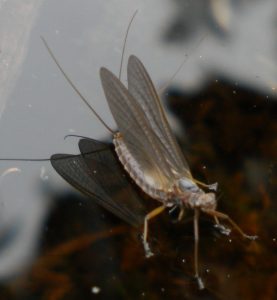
(75, 88)
(51, 159)
(79, 94)
(125, 42)
(25, 159)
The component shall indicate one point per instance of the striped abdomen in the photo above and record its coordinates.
(136, 173)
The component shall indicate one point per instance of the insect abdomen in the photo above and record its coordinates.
(135, 172)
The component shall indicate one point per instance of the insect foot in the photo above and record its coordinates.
(223, 230)
(148, 252)
(200, 282)
(251, 237)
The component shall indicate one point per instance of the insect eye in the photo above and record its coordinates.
(186, 184)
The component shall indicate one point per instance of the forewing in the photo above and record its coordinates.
(142, 89)
(138, 136)
(104, 181)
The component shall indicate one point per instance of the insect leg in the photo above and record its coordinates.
(181, 213)
(223, 229)
(147, 218)
(217, 214)
(212, 187)
(196, 246)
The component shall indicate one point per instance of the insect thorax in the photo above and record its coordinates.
(192, 196)
(204, 201)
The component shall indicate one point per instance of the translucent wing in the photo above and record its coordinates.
(143, 125)
(138, 136)
(98, 174)
(142, 89)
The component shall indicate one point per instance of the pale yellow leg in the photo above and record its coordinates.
(212, 186)
(181, 213)
(147, 218)
(217, 214)
(196, 247)
(216, 220)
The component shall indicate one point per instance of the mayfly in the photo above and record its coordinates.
(148, 151)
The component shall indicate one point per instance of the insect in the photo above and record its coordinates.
(149, 153)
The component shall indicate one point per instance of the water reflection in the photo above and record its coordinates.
(241, 38)
(194, 17)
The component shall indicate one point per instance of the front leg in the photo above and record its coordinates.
(148, 217)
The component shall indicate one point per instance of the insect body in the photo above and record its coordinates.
(144, 144)
(149, 153)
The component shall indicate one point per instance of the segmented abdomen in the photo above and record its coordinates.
(136, 173)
